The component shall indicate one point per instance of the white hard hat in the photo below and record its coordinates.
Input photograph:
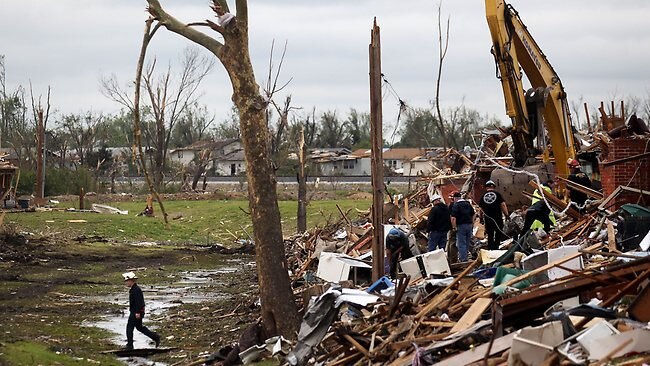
(129, 276)
(435, 197)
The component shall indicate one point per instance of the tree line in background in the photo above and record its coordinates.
(173, 117)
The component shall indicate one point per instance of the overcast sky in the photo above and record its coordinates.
(599, 48)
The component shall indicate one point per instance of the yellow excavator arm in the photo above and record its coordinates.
(541, 108)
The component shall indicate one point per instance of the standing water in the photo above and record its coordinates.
(192, 287)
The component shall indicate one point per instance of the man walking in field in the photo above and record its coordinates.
(136, 311)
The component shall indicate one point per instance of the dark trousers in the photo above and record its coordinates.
(137, 324)
(542, 216)
(493, 229)
(437, 240)
(394, 261)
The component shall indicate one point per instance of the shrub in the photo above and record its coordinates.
(58, 181)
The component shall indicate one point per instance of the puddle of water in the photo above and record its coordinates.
(192, 287)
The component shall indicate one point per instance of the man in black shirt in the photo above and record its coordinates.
(397, 249)
(577, 176)
(452, 249)
(493, 205)
(136, 311)
(438, 224)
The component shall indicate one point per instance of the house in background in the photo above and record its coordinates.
(429, 163)
(229, 160)
(185, 155)
(399, 160)
(340, 161)
(227, 156)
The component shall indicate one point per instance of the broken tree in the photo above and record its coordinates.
(279, 311)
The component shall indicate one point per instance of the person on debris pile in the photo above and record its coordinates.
(136, 312)
(537, 196)
(492, 207)
(438, 224)
(538, 211)
(462, 221)
(577, 176)
(397, 249)
(452, 249)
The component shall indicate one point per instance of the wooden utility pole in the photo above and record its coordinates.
(376, 154)
(82, 195)
(588, 120)
(40, 168)
(302, 182)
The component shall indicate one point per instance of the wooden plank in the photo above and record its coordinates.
(478, 353)
(556, 201)
(406, 208)
(139, 352)
(611, 237)
(435, 324)
(433, 303)
(579, 187)
(628, 158)
(472, 315)
(357, 345)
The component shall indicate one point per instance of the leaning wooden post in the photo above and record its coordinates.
(40, 160)
(302, 182)
(82, 195)
(588, 120)
(376, 155)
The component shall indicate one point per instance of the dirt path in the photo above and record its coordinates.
(54, 293)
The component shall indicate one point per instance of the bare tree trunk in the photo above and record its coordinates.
(442, 53)
(196, 177)
(159, 156)
(279, 310)
(302, 182)
(40, 179)
(282, 124)
(137, 132)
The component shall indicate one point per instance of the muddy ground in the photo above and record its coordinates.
(55, 291)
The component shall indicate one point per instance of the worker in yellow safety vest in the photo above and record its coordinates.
(537, 196)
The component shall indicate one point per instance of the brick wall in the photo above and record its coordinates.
(633, 173)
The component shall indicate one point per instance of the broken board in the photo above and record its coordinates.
(138, 352)
(472, 314)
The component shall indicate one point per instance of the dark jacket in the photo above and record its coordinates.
(540, 206)
(582, 179)
(439, 219)
(399, 246)
(136, 300)
(463, 212)
(399, 250)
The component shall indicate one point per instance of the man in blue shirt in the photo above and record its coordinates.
(462, 220)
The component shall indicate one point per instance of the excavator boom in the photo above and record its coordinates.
(542, 108)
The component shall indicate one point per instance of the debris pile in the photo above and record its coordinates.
(574, 295)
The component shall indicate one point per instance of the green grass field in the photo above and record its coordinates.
(202, 221)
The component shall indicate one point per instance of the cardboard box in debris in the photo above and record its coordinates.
(577, 295)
